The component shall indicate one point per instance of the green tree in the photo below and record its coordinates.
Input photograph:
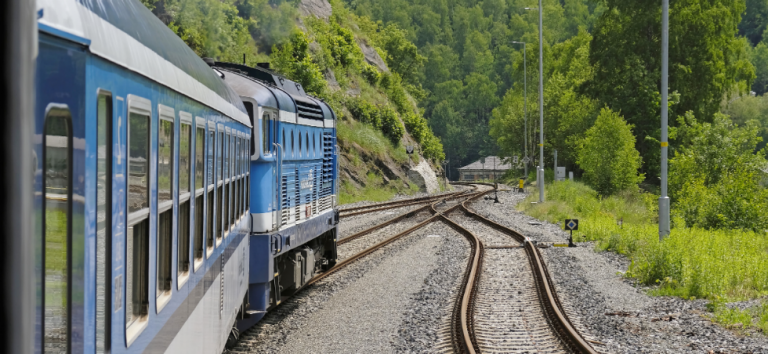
(759, 59)
(715, 174)
(706, 61)
(746, 109)
(608, 156)
(293, 60)
(754, 22)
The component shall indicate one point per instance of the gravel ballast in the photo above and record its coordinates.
(390, 301)
(610, 309)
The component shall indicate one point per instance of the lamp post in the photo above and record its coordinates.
(525, 105)
(664, 199)
(540, 176)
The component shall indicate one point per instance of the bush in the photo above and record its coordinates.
(715, 175)
(608, 156)
(390, 124)
(690, 262)
(292, 59)
(370, 73)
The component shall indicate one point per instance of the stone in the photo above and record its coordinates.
(424, 177)
(318, 8)
(372, 56)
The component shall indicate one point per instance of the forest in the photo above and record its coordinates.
(462, 75)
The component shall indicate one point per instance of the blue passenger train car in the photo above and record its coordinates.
(294, 189)
(142, 186)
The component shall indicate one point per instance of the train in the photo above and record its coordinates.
(176, 200)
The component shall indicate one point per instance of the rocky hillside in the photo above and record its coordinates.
(364, 70)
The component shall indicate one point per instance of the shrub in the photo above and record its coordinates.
(608, 156)
(370, 73)
(715, 175)
(390, 124)
(292, 59)
(364, 112)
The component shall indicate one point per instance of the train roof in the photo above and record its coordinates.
(272, 90)
(126, 33)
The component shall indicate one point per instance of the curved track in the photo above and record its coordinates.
(485, 317)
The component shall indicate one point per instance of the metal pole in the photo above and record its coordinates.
(664, 199)
(555, 165)
(541, 104)
(525, 105)
(17, 277)
(525, 109)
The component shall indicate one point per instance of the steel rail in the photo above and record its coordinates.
(402, 216)
(400, 204)
(553, 308)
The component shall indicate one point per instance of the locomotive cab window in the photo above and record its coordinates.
(57, 230)
(137, 235)
(198, 246)
(185, 196)
(165, 162)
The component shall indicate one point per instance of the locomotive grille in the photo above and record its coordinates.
(327, 171)
(298, 196)
(309, 110)
(284, 211)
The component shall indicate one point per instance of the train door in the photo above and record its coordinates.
(59, 203)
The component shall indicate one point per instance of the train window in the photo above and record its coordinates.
(165, 157)
(185, 196)
(247, 180)
(137, 235)
(220, 186)
(231, 185)
(57, 226)
(211, 187)
(103, 220)
(267, 144)
(238, 158)
(197, 246)
(227, 183)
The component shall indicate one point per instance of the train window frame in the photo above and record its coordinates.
(248, 178)
(219, 226)
(200, 124)
(228, 179)
(185, 253)
(165, 212)
(141, 107)
(210, 172)
(61, 111)
(104, 281)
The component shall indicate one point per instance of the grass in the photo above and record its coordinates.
(691, 263)
(374, 190)
(370, 140)
(755, 317)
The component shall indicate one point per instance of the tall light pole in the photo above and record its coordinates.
(664, 199)
(540, 172)
(525, 108)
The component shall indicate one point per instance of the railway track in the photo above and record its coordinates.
(499, 308)
(378, 207)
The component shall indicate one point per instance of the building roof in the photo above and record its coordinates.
(489, 165)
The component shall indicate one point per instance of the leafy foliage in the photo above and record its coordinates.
(293, 60)
(608, 155)
(715, 175)
(706, 61)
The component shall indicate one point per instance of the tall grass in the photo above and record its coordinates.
(692, 262)
(371, 140)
